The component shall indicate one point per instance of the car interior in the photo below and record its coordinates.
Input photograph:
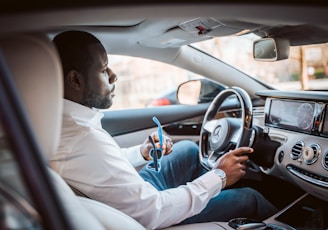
(33, 196)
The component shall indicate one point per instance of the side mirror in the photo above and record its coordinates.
(271, 49)
(198, 91)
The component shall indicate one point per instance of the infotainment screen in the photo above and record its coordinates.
(293, 115)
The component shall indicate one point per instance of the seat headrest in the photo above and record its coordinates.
(35, 66)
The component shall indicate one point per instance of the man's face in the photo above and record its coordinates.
(99, 80)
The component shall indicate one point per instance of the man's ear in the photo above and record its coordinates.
(74, 79)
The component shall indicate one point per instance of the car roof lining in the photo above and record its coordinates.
(261, 19)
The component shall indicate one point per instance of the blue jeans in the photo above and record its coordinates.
(183, 166)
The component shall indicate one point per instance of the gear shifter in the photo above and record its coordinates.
(245, 223)
(249, 224)
(257, 226)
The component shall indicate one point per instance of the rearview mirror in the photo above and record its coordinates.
(198, 91)
(271, 49)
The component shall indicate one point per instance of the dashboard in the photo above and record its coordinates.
(299, 122)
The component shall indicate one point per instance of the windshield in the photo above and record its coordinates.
(305, 69)
(146, 83)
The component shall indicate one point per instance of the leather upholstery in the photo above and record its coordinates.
(35, 66)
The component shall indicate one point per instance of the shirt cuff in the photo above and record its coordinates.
(135, 157)
(212, 182)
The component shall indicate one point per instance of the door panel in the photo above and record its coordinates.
(131, 127)
(120, 122)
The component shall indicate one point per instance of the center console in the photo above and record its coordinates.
(306, 213)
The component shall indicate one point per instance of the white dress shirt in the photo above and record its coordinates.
(89, 159)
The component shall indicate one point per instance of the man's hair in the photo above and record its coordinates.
(73, 50)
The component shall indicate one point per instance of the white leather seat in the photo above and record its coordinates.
(35, 66)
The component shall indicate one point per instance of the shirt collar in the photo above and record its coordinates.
(81, 113)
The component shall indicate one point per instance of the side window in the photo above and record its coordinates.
(144, 83)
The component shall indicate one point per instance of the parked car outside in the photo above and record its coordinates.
(167, 98)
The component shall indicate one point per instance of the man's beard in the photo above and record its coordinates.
(93, 100)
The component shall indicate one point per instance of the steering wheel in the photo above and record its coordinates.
(219, 135)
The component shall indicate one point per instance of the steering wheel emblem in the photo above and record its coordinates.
(216, 134)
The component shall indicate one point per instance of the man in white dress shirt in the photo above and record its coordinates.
(90, 160)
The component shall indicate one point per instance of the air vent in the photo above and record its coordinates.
(308, 176)
(325, 161)
(313, 157)
(297, 150)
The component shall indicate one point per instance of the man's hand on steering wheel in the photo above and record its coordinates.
(233, 164)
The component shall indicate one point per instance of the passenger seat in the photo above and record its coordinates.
(37, 73)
